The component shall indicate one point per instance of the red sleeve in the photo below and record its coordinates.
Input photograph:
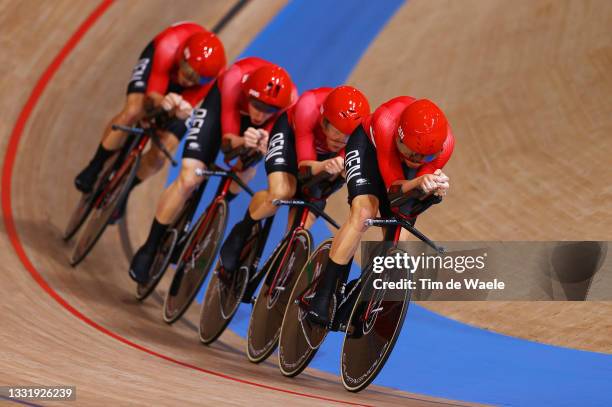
(230, 88)
(163, 61)
(305, 117)
(445, 155)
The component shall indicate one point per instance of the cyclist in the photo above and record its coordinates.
(311, 134)
(406, 142)
(175, 71)
(238, 112)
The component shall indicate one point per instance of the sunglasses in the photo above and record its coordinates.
(414, 156)
(192, 75)
(262, 107)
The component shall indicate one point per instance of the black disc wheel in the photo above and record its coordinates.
(299, 339)
(195, 261)
(374, 326)
(274, 295)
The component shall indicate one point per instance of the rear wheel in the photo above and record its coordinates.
(274, 295)
(195, 261)
(299, 339)
(374, 326)
(225, 292)
(103, 211)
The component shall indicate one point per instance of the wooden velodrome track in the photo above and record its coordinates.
(526, 86)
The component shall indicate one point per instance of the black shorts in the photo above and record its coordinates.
(203, 139)
(362, 174)
(177, 127)
(281, 154)
(142, 71)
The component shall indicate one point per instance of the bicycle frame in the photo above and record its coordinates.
(134, 152)
(229, 177)
(302, 222)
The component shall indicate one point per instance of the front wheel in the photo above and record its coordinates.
(374, 326)
(160, 264)
(195, 261)
(274, 295)
(299, 339)
(114, 193)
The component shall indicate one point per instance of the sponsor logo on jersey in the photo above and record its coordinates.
(193, 146)
(140, 69)
(352, 164)
(275, 146)
(195, 123)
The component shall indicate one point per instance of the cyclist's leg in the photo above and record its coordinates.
(153, 160)
(202, 146)
(281, 168)
(364, 201)
(281, 185)
(112, 140)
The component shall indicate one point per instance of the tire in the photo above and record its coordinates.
(222, 298)
(368, 344)
(164, 255)
(269, 308)
(160, 265)
(181, 293)
(85, 204)
(99, 216)
(295, 349)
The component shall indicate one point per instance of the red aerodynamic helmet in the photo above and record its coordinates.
(271, 85)
(345, 107)
(204, 53)
(423, 127)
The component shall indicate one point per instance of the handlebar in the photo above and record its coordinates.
(224, 174)
(154, 139)
(310, 206)
(380, 222)
(309, 181)
(248, 156)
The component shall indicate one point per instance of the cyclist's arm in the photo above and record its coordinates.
(408, 185)
(153, 100)
(231, 142)
(315, 166)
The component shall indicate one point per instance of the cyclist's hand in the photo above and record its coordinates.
(427, 183)
(251, 137)
(173, 102)
(443, 183)
(263, 141)
(334, 165)
(184, 110)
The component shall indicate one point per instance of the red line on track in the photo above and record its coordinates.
(11, 230)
